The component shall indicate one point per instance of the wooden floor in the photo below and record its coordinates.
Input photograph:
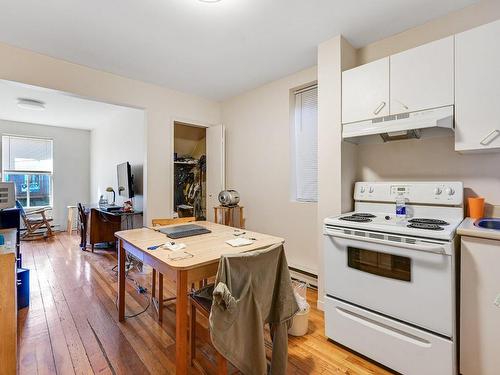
(71, 326)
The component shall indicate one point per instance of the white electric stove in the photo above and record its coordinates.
(390, 281)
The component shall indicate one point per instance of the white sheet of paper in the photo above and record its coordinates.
(174, 247)
(236, 242)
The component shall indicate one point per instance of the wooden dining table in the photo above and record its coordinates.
(201, 262)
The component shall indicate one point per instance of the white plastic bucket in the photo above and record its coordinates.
(300, 323)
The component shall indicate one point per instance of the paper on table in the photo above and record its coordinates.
(178, 255)
(236, 242)
(174, 246)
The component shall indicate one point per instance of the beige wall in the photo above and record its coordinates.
(258, 166)
(431, 159)
(329, 141)
(467, 18)
(161, 105)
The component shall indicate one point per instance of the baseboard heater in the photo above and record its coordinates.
(301, 275)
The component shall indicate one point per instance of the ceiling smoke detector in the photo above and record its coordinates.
(32, 104)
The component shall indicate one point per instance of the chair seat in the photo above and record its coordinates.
(202, 304)
(203, 299)
(37, 221)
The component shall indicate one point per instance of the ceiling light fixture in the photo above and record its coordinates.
(32, 104)
(209, 1)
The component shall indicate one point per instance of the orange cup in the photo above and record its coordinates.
(476, 207)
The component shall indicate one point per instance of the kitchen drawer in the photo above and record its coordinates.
(406, 349)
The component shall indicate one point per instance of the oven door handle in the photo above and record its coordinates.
(436, 249)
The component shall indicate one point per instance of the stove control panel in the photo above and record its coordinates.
(448, 193)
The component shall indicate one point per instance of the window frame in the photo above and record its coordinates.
(294, 190)
(31, 173)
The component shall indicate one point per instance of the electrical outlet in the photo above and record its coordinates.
(497, 301)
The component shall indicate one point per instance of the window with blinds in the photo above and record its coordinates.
(305, 145)
(28, 163)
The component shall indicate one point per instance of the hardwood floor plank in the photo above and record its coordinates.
(72, 324)
(106, 333)
(35, 357)
(60, 350)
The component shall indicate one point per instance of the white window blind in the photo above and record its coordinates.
(305, 145)
(27, 162)
(23, 154)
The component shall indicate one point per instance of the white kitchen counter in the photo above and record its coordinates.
(467, 228)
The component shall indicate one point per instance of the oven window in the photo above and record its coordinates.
(381, 264)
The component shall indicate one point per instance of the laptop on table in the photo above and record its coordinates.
(181, 231)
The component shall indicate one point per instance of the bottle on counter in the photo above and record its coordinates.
(400, 206)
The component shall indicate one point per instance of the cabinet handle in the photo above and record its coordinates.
(402, 104)
(490, 137)
(379, 108)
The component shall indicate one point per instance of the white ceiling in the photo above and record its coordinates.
(62, 109)
(214, 50)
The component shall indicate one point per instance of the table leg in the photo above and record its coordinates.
(181, 326)
(121, 282)
(160, 297)
(153, 284)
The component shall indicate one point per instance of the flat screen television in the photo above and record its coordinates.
(125, 180)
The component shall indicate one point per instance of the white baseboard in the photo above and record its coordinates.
(310, 279)
(320, 304)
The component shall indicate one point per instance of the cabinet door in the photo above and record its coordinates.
(422, 77)
(479, 307)
(365, 91)
(477, 89)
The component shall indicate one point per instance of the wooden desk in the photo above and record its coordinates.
(206, 250)
(8, 306)
(103, 225)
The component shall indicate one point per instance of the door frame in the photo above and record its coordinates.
(194, 124)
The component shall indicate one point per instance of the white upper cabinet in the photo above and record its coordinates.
(365, 91)
(477, 89)
(422, 77)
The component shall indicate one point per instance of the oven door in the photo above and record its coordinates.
(404, 278)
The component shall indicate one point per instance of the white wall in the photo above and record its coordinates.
(121, 139)
(162, 107)
(71, 163)
(258, 166)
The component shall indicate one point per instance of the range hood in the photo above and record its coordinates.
(431, 122)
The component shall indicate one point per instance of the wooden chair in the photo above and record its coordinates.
(180, 220)
(72, 210)
(203, 306)
(83, 225)
(34, 221)
(158, 302)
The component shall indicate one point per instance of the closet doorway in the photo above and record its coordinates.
(198, 169)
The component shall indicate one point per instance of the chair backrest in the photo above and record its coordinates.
(180, 220)
(82, 213)
(265, 265)
(21, 209)
(23, 215)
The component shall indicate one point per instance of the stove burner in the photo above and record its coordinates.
(426, 226)
(428, 221)
(358, 219)
(363, 214)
